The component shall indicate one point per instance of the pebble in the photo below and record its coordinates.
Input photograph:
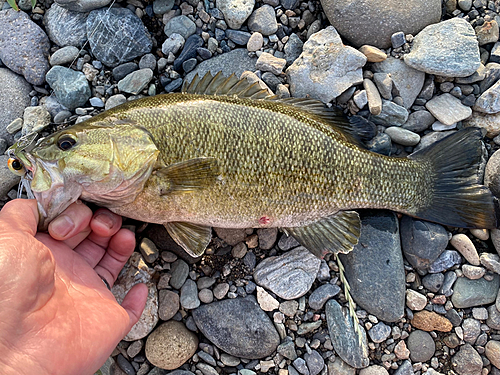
(491, 262)
(221, 290)
(179, 271)
(355, 20)
(64, 55)
(344, 339)
(373, 370)
(490, 122)
(266, 301)
(181, 25)
(70, 87)
(392, 114)
(189, 295)
(24, 46)
(430, 321)
(168, 304)
(325, 48)
(322, 294)
(115, 100)
(263, 20)
(419, 121)
(293, 48)
(268, 63)
(473, 272)
(489, 101)
(448, 109)
(123, 70)
(493, 320)
(148, 250)
(373, 54)
(118, 36)
(339, 367)
(379, 332)
(365, 265)
(136, 81)
(446, 260)
(471, 330)
(189, 51)
(161, 7)
(207, 358)
(415, 301)
(236, 12)
(252, 333)
(135, 348)
(402, 136)
(401, 351)
(467, 361)
(14, 98)
(315, 362)
(267, 237)
(470, 293)
(421, 346)
(433, 282)
(361, 99)
(447, 48)
(255, 42)
(290, 275)
(493, 352)
(372, 97)
(65, 27)
(487, 33)
(170, 345)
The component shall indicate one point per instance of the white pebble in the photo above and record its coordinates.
(482, 234)
(266, 301)
(465, 247)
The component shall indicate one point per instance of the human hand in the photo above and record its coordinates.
(56, 314)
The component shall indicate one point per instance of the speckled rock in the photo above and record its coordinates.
(170, 345)
(467, 361)
(64, 27)
(137, 271)
(489, 101)
(263, 20)
(308, 76)
(290, 275)
(470, 293)
(24, 46)
(421, 346)
(466, 247)
(493, 352)
(430, 321)
(236, 12)
(448, 109)
(70, 87)
(490, 122)
(355, 19)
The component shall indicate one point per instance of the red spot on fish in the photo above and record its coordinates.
(264, 220)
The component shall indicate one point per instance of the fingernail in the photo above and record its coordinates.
(62, 225)
(105, 220)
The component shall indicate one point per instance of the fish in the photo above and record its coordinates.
(225, 153)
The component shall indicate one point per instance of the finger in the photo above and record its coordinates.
(120, 248)
(20, 214)
(71, 223)
(134, 303)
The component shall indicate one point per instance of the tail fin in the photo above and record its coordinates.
(458, 198)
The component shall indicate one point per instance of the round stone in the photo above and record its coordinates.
(421, 346)
(493, 352)
(170, 345)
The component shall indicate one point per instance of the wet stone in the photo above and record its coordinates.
(470, 293)
(421, 346)
(379, 332)
(322, 294)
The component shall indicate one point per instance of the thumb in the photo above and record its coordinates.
(134, 303)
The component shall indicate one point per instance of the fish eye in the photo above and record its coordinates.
(65, 142)
(16, 166)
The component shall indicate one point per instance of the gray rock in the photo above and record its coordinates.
(115, 100)
(402, 136)
(293, 48)
(315, 362)
(24, 46)
(96, 102)
(339, 367)
(419, 121)
(136, 81)
(189, 295)
(446, 260)
(421, 346)
(470, 293)
(448, 109)
(491, 74)
(405, 369)
(491, 262)
(392, 114)
(301, 366)
(308, 76)
(467, 361)
(246, 331)
(267, 237)
(236, 12)
(406, 80)
(180, 271)
(147, 61)
(263, 20)
(64, 27)
(489, 101)
(83, 5)
(117, 35)
(322, 294)
(290, 275)
(447, 48)
(384, 84)
(471, 330)
(238, 37)
(64, 55)
(237, 61)
(162, 6)
(181, 25)
(433, 281)
(35, 119)
(14, 98)
(344, 339)
(383, 272)
(492, 174)
(70, 87)
(188, 52)
(287, 349)
(168, 304)
(493, 320)
(379, 332)
(355, 19)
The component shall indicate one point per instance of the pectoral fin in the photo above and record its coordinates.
(338, 233)
(193, 238)
(191, 174)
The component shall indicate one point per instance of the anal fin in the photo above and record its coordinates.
(193, 238)
(338, 233)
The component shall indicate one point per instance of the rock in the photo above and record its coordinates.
(421, 346)
(379, 332)
(236, 12)
(266, 301)
(447, 48)
(308, 76)
(489, 101)
(384, 273)
(136, 271)
(237, 61)
(246, 331)
(392, 114)
(24, 46)
(344, 339)
(470, 293)
(493, 320)
(415, 300)
(289, 308)
(136, 81)
(322, 294)
(407, 81)
(118, 36)
(293, 48)
(267, 237)
(268, 63)
(471, 330)
(493, 352)
(181, 25)
(64, 55)
(14, 98)
(290, 275)
(419, 121)
(115, 100)
(287, 349)
(361, 100)
(473, 272)
(315, 362)
(35, 119)
(64, 27)
(373, 97)
(148, 250)
(240, 38)
(491, 262)
(263, 20)
(433, 281)
(168, 304)
(189, 51)
(487, 32)
(180, 271)
(467, 361)
(465, 246)
(161, 7)
(373, 54)
(172, 44)
(402, 136)
(446, 260)
(486, 121)
(339, 367)
(189, 295)
(255, 42)
(373, 370)
(82, 5)
(448, 109)
(70, 87)
(355, 19)
(170, 345)
(430, 321)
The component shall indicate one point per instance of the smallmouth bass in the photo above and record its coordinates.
(224, 153)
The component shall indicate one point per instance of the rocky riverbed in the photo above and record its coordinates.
(427, 295)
